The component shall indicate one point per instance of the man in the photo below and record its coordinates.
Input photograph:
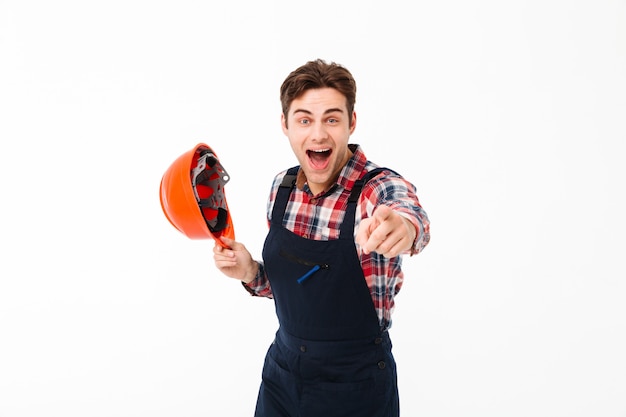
(332, 259)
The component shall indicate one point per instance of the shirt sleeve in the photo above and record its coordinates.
(399, 194)
(260, 286)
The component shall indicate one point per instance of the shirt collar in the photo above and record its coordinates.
(353, 169)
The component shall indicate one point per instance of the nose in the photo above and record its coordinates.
(319, 132)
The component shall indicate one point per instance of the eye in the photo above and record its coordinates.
(333, 121)
(304, 121)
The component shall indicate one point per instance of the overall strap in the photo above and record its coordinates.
(282, 195)
(347, 226)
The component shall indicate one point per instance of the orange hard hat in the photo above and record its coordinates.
(192, 195)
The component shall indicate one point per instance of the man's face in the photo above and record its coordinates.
(318, 129)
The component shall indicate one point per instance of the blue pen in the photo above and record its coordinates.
(308, 274)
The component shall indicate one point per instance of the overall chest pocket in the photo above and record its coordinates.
(308, 266)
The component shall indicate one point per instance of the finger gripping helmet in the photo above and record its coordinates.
(192, 195)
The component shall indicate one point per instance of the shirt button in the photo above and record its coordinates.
(313, 201)
(302, 348)
(378, 340)
(381, 365)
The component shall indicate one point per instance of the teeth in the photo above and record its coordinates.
(320, 150)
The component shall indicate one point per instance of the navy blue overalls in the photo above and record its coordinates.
(329, 357)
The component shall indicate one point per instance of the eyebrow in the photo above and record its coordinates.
(332, 110)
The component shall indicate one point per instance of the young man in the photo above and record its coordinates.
(338, 226)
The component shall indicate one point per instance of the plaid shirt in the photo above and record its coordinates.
(319, 217)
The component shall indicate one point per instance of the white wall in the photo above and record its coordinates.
(508, 116)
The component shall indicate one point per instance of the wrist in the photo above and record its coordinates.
(413, 235)
(251, 274)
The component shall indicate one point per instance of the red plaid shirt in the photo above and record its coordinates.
(319, 217)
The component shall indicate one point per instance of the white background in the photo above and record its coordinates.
(508, 116)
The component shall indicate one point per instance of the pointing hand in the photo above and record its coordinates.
(386, 233)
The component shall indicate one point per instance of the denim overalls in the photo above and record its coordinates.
(330, 357)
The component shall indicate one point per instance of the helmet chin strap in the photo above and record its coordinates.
(208, 179)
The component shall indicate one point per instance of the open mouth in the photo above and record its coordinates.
(319, 157)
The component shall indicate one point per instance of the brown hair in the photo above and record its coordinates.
(318, 74)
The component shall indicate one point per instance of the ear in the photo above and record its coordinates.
(283, 123)
(353, 124)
